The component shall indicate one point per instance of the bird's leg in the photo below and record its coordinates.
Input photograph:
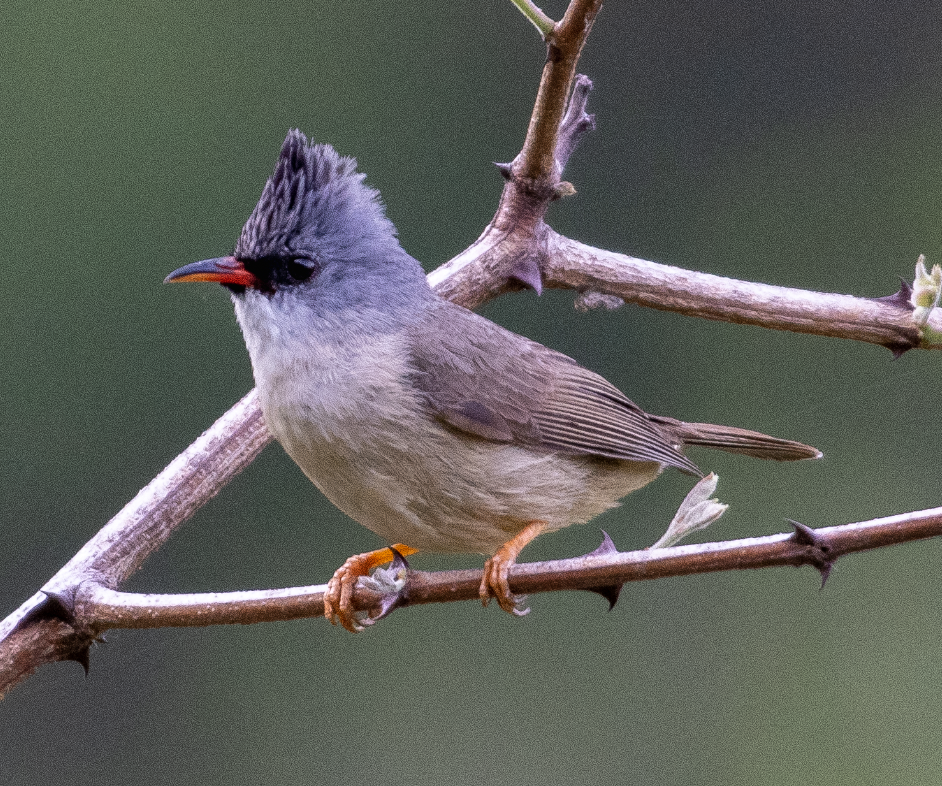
(495, 582)
(338, 605)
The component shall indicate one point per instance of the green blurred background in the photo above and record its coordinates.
(798, 144)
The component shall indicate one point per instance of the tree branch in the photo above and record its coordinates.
(536, 163)
(104, 608)
(885, 321)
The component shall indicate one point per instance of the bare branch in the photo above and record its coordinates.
(537, 160)
(568, 264)
(773, 550)
(106, 608)
(576, 123)
(100, 608)
(573, 265)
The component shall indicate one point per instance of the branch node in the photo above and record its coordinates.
(900, 299)
(904, 299)
(576, 123)
(590, 299)
(564, 189)
(820, 554)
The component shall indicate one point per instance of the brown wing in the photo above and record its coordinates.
(486, 381)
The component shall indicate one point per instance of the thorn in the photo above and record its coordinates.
(819, 556)
(900, 298)
(82, 656)
(898, 350)
(399, 562)
(527, 272)
(55, 606)
(611, 591)
(803, 533)
(506, 170)
(606, 547)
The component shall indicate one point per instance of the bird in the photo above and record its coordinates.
(427, 423)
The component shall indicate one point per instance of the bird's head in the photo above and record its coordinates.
(318, 235)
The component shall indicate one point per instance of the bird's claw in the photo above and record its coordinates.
(496, 580)
(338, 598)
(496, 584)
(388, 582)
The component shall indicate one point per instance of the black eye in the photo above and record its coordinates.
(301, 269)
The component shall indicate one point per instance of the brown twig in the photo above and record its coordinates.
(536, 164)
(105, 608)
(885, 321)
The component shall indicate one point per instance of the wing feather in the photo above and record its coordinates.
(487, 381)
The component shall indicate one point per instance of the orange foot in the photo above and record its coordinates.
(497, 569)
(338, 599)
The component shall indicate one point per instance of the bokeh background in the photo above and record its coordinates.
(797, 144)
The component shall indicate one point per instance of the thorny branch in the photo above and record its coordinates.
(516, 249)
(604, 568)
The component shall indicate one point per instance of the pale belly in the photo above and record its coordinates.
(365, 439)
(411, 480)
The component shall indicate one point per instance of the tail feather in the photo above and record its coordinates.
(736, 440)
